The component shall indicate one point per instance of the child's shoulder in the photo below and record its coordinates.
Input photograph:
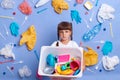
(73, 43)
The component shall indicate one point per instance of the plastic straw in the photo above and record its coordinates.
(87, 24)
(6, 30)
(36, 55)
(8, 17)
(111, 31)
(25, 19)
(19, 62)
(91, 18)
(2, 36)
(41, 10)
(6, 61)
(90, 70)
(10, 70)
(97, 66)
(101, 41)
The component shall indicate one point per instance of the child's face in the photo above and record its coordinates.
(65, 35)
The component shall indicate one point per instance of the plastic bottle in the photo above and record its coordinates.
(92, 33)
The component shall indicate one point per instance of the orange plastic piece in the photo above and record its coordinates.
(59, 5)
(90, 57)
(88, 5)
(29, 38)
(25, 8)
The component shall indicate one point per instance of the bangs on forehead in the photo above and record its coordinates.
(64, 28)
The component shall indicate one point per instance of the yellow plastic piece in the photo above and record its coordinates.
(90, 57)
(65, 72)
(88, 5)
(59, 5)
(29, 38)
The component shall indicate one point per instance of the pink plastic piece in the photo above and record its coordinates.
(25, 8)
(79, 1)
(63, 58)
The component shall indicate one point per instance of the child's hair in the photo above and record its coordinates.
(64, 26)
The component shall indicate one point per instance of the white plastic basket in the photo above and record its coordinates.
(45, 50)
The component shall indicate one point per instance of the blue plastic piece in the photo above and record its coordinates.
(63, 67)
(100, 70)
(76, 72)
(36, 54)
(51, 60)
(75, 15)
(92, 33)
(107, 48)
(96, 4)
(14, 27)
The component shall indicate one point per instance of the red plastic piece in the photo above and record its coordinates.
(98, 47)
(12, 68)
(14, 13)
(25, 8)
(74, 65)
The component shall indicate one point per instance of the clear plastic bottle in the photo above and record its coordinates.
(92, 33)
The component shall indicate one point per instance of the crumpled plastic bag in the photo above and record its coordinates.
(24, 71)
(29, 38)
(105, 13)
(7, 51)
(90, 57)
(7, 4)
(110, 62)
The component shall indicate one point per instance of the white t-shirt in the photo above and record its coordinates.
(70, 44)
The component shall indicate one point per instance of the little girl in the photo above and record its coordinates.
(64, 32)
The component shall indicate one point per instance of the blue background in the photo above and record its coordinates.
(45, 24)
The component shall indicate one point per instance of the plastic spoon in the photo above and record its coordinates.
(2, 36)
(6, 30)
(101, 41)
(90, 70)
(111, 31)
(97, 66)
(91, 18)
(19, 62)
(8, 17)
(87, 24)
(25, 19)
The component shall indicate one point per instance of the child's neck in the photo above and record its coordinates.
(65, 41)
